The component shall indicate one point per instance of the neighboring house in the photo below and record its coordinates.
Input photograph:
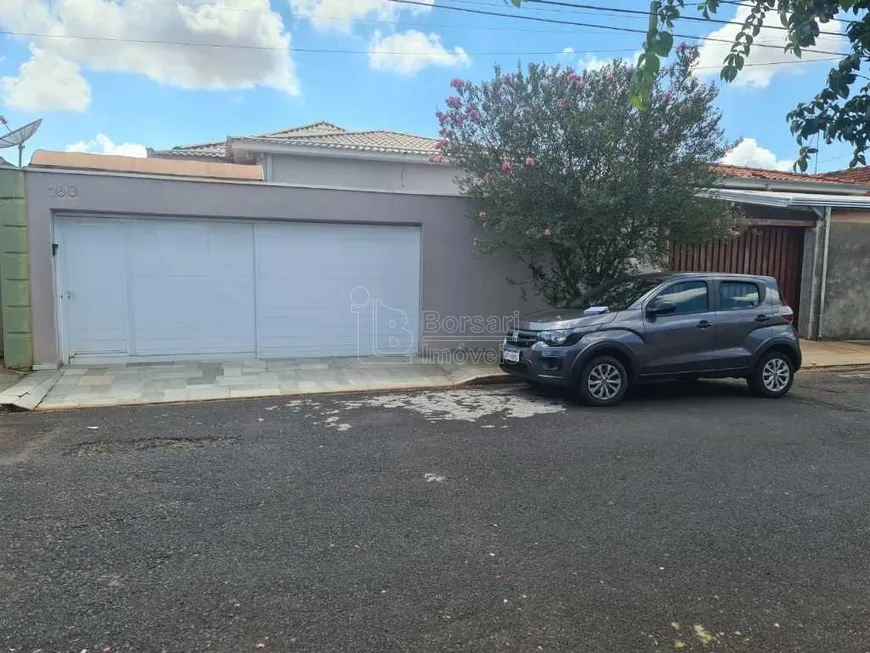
(812, 232)
(319, 241)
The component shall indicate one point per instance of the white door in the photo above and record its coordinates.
(93, 287)
(193, 286)
(186, 288)
(337, 289)
(157, 288)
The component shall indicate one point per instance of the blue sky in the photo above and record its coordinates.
(138, 79)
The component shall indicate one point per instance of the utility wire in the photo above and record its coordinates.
(614, 28)
(238, 46)
(640, 12)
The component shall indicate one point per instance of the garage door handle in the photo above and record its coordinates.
(704, 324)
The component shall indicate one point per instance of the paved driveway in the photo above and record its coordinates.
(479, 520)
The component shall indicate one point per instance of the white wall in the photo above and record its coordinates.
(358, 174)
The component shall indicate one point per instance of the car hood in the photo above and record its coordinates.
(563, 318)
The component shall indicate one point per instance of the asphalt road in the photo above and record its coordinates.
(497, 519)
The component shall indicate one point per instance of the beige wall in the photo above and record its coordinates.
(357, 174)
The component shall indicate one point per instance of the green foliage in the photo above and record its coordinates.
(839, 112)
(566, 177)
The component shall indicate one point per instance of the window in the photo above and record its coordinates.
(620, 294)
(735, 295)
(687, 296)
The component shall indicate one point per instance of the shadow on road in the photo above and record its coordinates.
(660, 391)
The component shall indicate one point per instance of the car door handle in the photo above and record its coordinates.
(704, 324)
(762, 318)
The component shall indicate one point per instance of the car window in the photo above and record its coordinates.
(738, 294)
(620, 294)
(687, 296)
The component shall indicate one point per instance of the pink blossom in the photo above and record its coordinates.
(442, 144)
(454, 102)
(458, 84)
(456, 119)
(474, 115)
(682, 47)
(482, 215)
(530, 161)
(620, 159)
(547, 232)
(666, 96)
(436, 158)
(440, 115)
(562, 104)
(608, 77)
(506, 167)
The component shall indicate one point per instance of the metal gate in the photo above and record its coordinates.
(772, 251)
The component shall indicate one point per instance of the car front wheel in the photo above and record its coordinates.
(773, 375)
(603, 382)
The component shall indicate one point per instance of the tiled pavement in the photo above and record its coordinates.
(155, 383)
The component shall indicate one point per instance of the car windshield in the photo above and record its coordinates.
(618, 295)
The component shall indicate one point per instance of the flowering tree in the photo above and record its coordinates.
(567, 177)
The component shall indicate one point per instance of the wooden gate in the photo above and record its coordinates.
(772, 251)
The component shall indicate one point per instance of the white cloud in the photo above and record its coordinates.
(766, 61)
(590, 62)
(142, 37)
(102, 144)
(750, 153)
(46, 82)
(409, 52)
(339, 14)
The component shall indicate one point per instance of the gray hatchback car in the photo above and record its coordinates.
(663, 325)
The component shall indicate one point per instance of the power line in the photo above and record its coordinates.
(239, 46)
(379, 52)
(639, 12)
(628, 30)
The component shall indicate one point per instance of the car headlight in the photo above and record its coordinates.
(559, 337)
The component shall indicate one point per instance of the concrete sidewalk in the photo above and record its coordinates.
(821, 354)
(157, 383)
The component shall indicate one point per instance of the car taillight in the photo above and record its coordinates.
(786, 313)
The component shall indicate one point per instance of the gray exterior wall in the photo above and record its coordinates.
(349, 173)
(809, 281)
(455, 281)
(847, 296)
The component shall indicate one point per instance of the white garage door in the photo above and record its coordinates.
(188, 288)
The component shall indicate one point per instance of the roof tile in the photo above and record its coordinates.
(848, 176)
(318, 134)
(763, 173)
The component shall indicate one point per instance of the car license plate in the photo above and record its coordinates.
(511, 355)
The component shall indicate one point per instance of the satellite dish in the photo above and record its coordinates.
(17, 137)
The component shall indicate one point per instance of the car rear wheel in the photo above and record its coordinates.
(603, 382)
(772, 376)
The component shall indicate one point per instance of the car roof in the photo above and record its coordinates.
(668, 276)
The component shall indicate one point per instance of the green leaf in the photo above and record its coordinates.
(663, 43)
(651, 65)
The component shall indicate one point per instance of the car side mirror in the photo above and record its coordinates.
(663, 307)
